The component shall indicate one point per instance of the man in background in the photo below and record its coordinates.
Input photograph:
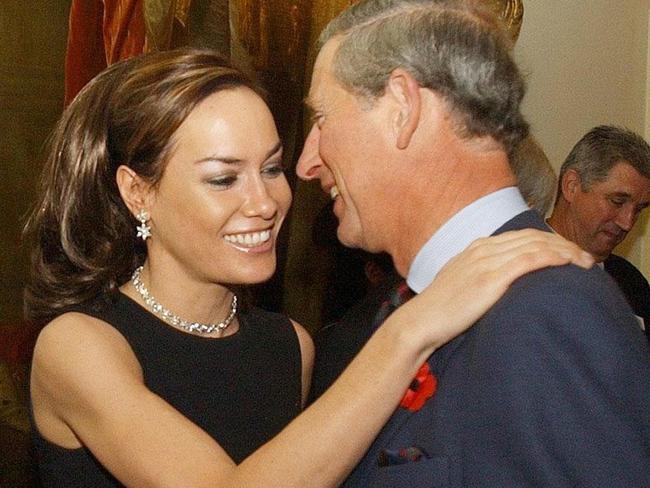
(604, 185)
(416, 109)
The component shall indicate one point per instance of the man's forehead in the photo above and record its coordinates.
(624, 181)
(314, 95)
(322, 66)
(624, 173)
(324, 85)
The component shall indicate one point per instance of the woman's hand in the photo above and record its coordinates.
(470, 283)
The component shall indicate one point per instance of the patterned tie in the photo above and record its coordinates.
(424, 384)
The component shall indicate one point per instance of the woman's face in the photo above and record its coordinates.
(219, 205)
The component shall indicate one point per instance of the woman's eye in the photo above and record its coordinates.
(273, 170)
(223, 181)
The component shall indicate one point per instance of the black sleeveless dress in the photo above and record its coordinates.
(241, 389)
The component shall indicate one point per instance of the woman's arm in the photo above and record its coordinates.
(307, 359)
(88, 387)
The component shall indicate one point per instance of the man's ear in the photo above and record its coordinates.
(134, 190)
(405, 91)
(571, 184)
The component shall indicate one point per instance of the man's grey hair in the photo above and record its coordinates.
(603, 147)
(455, 48)
(535, 176)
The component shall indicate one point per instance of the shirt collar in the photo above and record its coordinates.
(479, 219)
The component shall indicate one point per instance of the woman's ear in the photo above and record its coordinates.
(134, 190)
(405, 91)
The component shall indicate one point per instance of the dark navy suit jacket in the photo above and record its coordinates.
(551, 388)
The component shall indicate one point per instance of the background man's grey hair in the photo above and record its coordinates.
(601, 149)
(461, 51)
(535, 176)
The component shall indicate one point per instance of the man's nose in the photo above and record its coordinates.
(626, 217)
(309, 162)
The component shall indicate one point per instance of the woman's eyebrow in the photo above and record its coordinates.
(231, 160)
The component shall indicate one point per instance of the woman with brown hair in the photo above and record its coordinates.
(163, 193)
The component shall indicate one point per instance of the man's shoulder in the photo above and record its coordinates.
(556, 281)
(562, 300)
(566, 318)
(529, 219)
(569, 285)
(558, 304)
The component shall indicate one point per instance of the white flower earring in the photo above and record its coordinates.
(144, 230)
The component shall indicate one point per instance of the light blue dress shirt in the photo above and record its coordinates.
(479, 219)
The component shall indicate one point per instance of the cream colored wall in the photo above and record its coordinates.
(587, 64)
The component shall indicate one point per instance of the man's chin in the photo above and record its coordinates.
(606, 244)
(347, 237)
(602, 253)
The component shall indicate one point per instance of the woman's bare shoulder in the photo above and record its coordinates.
(76, 352)
(79, 363)
(75, 336)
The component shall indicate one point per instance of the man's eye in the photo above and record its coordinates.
(616, 202)
(317, 118)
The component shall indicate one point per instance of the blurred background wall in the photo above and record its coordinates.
(32, 47)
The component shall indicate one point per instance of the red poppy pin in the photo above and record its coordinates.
(422, 388)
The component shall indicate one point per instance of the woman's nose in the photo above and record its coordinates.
(260, 201)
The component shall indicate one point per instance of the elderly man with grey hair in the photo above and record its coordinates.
(603, 187)
(416, 112)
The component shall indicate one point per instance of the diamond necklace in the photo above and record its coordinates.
(174, 319)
